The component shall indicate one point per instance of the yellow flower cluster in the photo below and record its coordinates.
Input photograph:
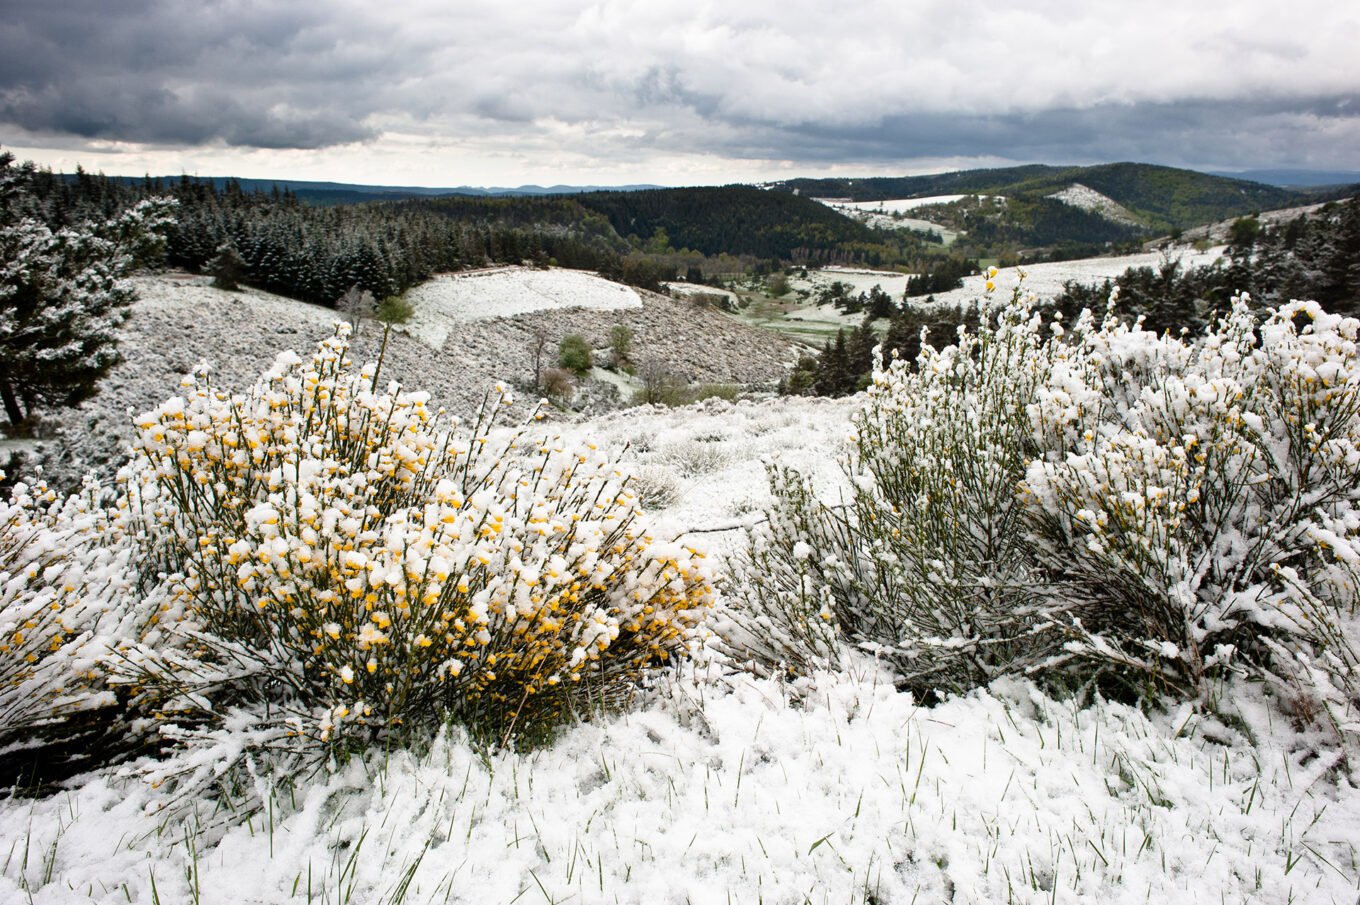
(399, 573)
(62, 581)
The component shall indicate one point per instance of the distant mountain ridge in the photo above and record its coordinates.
(348, 193)
(1297, 178)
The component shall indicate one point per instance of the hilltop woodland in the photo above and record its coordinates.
(1310, 257)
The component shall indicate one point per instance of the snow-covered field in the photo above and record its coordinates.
(1088, 199)
(718, 786)
(900, 205)
(448, 301)
(731, 789)
(1046, 280)
(887, 214)
(858, 279)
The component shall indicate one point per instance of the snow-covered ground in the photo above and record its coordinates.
(899, 205)
(683, 290)
(1046, 280)
(732, 790)
(1088, 199)
(450, 300)
(858, 279)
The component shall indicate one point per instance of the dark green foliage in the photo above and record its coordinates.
(734, 219)
(61, 294)
(941, 276)
(1164, 197)
(620, 347)
(573, 354)
(226, 268)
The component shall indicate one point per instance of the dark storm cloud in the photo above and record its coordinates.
(627, 80)
(181, 74)
(1188, 132)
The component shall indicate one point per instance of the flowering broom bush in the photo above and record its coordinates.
(340, 567)
(927, 564)
(1097, 503)
(1206, 496)
(65, 599)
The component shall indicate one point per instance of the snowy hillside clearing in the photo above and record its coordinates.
(1219, 232)
(814, 324)
(900, 205)
(1046, 279)
(1088, 199)
(448, 301)
(683, 290)
(876, 216)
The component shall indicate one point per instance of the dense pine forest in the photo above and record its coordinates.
(277, 242)
(1310, 257)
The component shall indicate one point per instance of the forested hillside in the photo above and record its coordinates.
(1163, 198)
(276, 242)
(1311, 257)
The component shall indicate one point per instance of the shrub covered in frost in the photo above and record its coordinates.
(1093, 503)
(342, 568)
(65, 600)
(927, 563)
(1206, 498)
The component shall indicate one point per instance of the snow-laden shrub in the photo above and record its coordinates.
(1097, 503)
(927, 563)
(65, 601)
(1206, 495)
(341, 567)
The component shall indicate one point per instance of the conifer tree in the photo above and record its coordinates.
(61, 299)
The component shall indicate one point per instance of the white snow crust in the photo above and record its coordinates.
(1088, 199)
(450, 300)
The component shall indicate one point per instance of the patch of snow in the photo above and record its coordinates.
(449, 301)
(1088, 199)
(900, 205)
(683, 290)
(857, 278)
(1046, 279)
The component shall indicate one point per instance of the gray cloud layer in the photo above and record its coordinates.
(1257, 83)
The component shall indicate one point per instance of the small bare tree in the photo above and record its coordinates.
(356, 305)
(537, 344)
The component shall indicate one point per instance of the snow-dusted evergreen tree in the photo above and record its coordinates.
(227, 268)
(60, 296)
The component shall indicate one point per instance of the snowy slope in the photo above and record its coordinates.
(1046, 280)
(449, 301)
(180, 320)
(1088, 199)
(900, 205)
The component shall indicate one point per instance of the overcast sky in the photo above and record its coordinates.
(506, 92)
